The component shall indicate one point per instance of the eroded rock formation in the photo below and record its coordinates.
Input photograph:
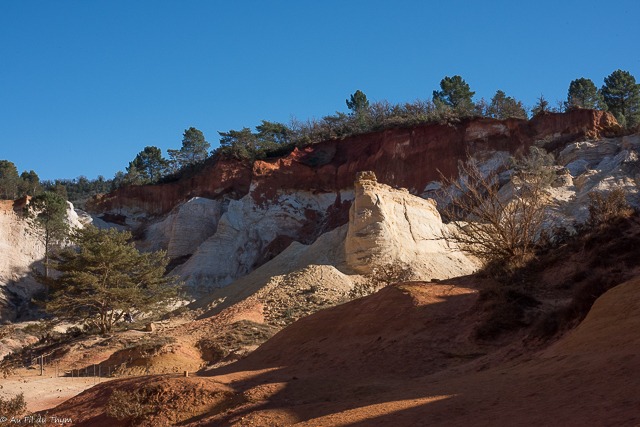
(390, 227)
(244, 215)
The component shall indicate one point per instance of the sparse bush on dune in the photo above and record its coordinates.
(129, 406)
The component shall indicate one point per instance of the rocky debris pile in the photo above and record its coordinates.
(287, 298)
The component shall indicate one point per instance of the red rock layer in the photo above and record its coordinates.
(408, 157)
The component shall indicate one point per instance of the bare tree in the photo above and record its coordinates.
(500, 226)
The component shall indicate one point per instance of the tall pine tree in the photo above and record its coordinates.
(621, 93)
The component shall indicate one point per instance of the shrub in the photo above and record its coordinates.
(129, 406)
(500, 229)
(13, 407)
(605, 209)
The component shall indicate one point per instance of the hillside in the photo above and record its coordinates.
(404, 357)
(287, 262)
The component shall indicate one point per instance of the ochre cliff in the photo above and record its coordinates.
(219, 178)
(254, 211)
(403, 157)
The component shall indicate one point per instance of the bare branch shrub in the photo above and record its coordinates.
(501, 227)
(603, 209)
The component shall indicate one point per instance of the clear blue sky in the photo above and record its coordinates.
(85, 85)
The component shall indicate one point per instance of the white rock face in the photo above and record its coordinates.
(392, 227)
(597, 166)
(243, 233)
(386, 227)
(185, 228)
(19, 251)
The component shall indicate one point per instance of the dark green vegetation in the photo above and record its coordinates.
(103, 277)
(621, 95)
(13, 185)
(584, 94)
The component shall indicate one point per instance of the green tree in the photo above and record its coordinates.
(583, 93)
(541, 107)
(134, 176)
(621, 94)
(104, 277)
(195, 149)
(358, 103)
(9, 180)
(47, 214)
(148, 165)
(30, 183)
(119, 179)
(504, 107)
(359, 106)
(456, 94)
(275, 133)
(240, 144)
(271, 137)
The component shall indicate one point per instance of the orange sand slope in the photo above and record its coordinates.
(404, 357)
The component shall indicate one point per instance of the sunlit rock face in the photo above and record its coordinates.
(390, 227)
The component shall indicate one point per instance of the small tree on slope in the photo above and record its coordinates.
(104, 277)
(47, 214)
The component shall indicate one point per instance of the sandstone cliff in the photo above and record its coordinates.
(232, 217)
(387, 228)
(404, 157)
(21, 250)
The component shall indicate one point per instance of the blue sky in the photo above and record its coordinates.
(86, 85)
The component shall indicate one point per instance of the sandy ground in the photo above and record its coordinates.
(400, 358)
(44, 392)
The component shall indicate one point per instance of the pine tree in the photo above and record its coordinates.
(456, 94)
(30, 184)
(9, 180)
(47, 214)
(583, 94)
(504, 107)
(194, 149)
(148, 166)
(542, 106)
(358, 102)
(104, 277)
(621, 94)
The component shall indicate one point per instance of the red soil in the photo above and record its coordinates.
(404, 357)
